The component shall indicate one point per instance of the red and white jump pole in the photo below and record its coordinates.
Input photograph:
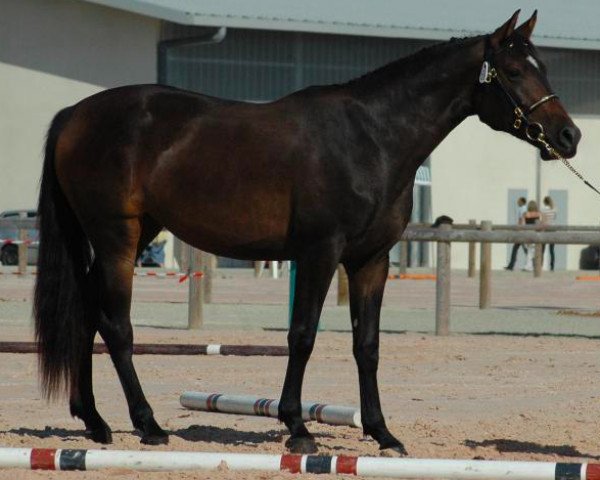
(67, 459)
(268, 407)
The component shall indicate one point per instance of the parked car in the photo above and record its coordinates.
(9, 253)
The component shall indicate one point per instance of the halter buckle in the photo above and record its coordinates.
(487, 73)
(518, 118)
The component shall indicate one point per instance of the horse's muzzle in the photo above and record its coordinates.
(564, 141)
(568, 138)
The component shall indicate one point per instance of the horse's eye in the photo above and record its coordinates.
(513, 73)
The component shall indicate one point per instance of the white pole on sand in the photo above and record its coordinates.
(74, 459)
(267, 407)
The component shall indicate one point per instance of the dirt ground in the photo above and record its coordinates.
(491, 397)
(464, 396)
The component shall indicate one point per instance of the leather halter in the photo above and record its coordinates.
(489, 74)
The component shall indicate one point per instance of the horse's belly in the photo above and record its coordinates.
(235, 243)
(253, 227)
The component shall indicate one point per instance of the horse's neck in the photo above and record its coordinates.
(421, 107)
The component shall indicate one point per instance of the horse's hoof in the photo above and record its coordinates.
(100, 435)
(397, 451)
(155, 439)
(301, 445)
(150, 431)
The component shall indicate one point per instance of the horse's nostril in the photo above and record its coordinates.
(566, 137)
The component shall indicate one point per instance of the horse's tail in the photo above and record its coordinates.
(63, 261)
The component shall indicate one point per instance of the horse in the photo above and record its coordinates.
(322, 176)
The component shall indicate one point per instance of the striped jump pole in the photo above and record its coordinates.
(268, 407)
(71, 459)
(181, 276)
(168, 349)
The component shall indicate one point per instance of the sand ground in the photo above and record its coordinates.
(510, 396)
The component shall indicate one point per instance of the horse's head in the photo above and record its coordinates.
(515, 95)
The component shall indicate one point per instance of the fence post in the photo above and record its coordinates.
(442, 286)
(472, 249)
(259, 267)
(184, 256)
(23, 249)
(196, 292)
(485, 269)
(342, 296)
(537, 260)
(403, 260)
(208, 261)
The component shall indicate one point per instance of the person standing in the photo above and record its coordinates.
(531, 217)
(154, 254)
(521, 209)
(549, 218)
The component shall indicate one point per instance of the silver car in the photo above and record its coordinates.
(9, 252)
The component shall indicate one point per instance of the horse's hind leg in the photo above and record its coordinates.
(116, 246)
(366, 285)
(82, 402)
(313, 276)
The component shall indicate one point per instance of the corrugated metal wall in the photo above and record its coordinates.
(264, 65)
(575, 76)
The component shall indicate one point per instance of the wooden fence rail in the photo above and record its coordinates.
(486, 234)
(577, 237)
(472, 225)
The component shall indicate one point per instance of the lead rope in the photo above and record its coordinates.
(577, 174)
(541, 138)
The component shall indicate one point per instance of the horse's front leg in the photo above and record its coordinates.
(314, 271)
(367, 283)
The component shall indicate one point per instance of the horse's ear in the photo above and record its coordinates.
(504, 31)
(526, 29)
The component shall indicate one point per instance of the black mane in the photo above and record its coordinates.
(411, 64)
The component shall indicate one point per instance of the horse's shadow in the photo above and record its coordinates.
(227, 436)
(62, 433)
(230, 436)
(47, 432)
(193, 433)
(503, 445)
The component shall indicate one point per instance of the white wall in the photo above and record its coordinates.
(53, 54)
(473, 169)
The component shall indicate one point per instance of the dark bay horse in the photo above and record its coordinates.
(323, 176)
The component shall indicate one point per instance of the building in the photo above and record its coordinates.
(54, 53)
